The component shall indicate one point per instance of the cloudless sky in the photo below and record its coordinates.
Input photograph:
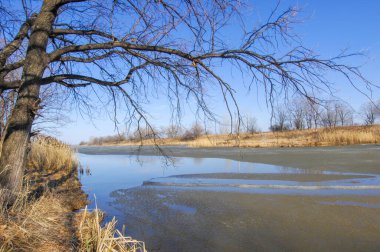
(327, 27)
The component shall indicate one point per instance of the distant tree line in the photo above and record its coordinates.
(174, 131)
(106, 139)
(297, 115)
(305, 113)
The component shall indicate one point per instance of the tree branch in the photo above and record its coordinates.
(54, 56)
(82, 33)
(7, 85)
(60, 79)
(13, 46)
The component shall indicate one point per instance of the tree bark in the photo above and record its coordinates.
(16, 137)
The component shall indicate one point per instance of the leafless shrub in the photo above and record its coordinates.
(194, 132)
(370, 112)
(118, 138)
(250, 125)
(281, 119)
(173, 131)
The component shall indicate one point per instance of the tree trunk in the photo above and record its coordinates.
(16, 137)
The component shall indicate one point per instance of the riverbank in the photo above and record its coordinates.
(42, 218)
(44, 223)
(45, 215)
(337, 136)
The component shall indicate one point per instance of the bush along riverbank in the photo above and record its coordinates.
(45, 216)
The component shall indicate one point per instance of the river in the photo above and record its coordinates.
(239, 200)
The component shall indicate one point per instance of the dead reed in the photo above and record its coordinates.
(350, 135)
(37, 225)
(50, 154)
(94, 237)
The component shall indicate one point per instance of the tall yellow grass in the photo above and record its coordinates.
(50, 154)
(94, 237)
(341, 136)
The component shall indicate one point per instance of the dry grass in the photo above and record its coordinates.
(49, 154)
(40, 221)
(346, 136)
(42, 217)
(38, 225)
(94, 237)
(293, 138)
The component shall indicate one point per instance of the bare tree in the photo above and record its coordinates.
(173, 131)
(195, 131)
(281, 119)
(369, 112)
(297, 114)
(120, 52)
(312, 113)
(250, 124)
(147, 132)
(344, 113)
(337, 113)
(329, 116)
(225, 126)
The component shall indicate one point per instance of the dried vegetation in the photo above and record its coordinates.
(43, 217)
(95, 237)
(290, 138)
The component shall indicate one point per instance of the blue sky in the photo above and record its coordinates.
(327, 27)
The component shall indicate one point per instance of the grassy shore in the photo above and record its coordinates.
(292, 138)
(45, 217)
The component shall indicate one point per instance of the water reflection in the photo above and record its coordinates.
(111, 172)
(198, 161)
